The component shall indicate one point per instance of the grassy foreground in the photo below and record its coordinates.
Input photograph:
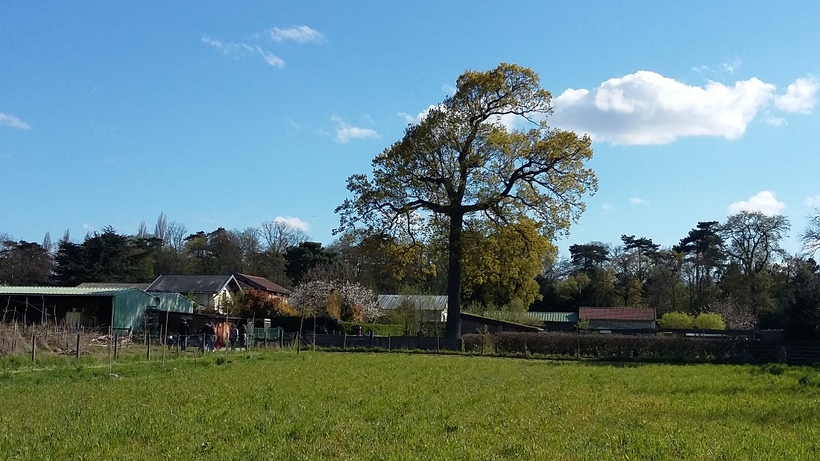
(394, 406)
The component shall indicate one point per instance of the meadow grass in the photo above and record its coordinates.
(319, 405)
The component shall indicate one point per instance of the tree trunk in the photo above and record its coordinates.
(453, 327)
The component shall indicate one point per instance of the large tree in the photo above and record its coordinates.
(751, 240)
(501, 263)
(105, 257)
(24, 263)
(701, 250)
(464, 159)
(307, 256)
(811, 235)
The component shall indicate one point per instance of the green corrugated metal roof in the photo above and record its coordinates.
(60, 291)
(128, 304)
(564, 317)
(567, 317)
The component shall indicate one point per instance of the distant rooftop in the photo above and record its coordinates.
(617, 313)
(60, 291)
(139, 286)
(192, 283)
(422, 302)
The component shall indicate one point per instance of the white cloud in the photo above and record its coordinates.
(299, 34)
(731, 67)
(647, 108)
(638, 201)
(345, 132)
(413, 119)
(238, 50)
(799, 96)
(764, 202)
(271, 58)
(226, 48)
(88, 227)
(509, 121)
(12, 121)
(293, 222)
(813, 201)
(776, 121)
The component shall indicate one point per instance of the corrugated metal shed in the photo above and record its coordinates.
(123, 308)
(470, 323)
(555, 317)
(422, 302)
(59, 291)
(131, 305)
(141, 286)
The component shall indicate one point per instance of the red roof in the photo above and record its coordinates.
(261, 283)
(617, 313)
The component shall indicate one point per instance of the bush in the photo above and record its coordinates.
(709, 321)
(608, 347)
(676, 321)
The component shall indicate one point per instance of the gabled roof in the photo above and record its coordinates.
(617, 313)
(261, 283)
(422, 302)
(194, 283)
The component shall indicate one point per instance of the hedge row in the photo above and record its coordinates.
(608, 347)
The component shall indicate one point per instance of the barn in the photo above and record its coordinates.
(91, 307)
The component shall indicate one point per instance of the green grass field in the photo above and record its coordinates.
(279, 405)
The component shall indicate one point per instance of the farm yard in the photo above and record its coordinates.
(320, 405)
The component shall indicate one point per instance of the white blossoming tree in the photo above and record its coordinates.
(340, 300)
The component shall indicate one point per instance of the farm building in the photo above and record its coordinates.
(618, 318)
(139, 286)
(252, 282)
(210, 291)
(121, 308)
(428, 307)
(474, 323)
(552, 321)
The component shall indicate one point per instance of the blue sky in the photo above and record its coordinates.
(237, 113)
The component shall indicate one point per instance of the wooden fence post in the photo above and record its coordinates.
(33, 347)
(78, 347)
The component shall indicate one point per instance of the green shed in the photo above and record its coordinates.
(95, 307)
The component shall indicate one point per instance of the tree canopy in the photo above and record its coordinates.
(464, 159)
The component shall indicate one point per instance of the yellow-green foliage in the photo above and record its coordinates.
(363, 406)
(709, 321)
(676, 321)
(502, 262)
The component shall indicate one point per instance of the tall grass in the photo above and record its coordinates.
(279, 405)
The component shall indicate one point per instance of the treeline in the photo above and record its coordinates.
(736, 268)
(274, 250)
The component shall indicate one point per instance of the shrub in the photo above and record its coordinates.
(607, 347)
(676, 321)
(709, 321)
